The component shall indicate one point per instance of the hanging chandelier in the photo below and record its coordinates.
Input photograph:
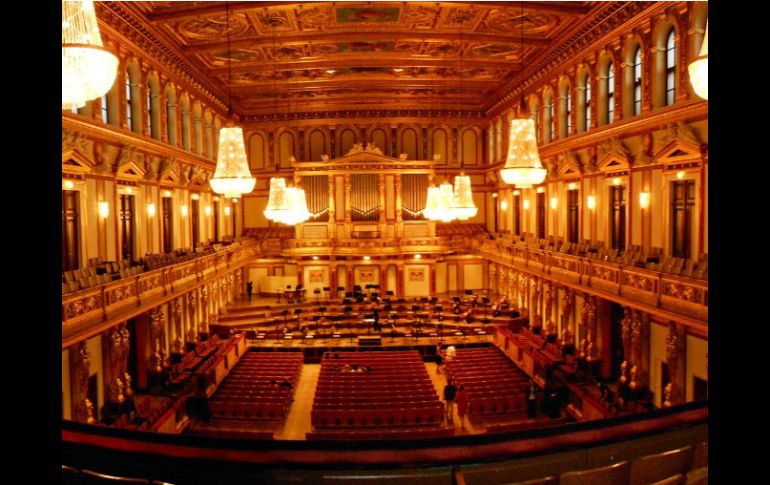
(439, 204)
(462, 206)
(522, 165)
(699, 69)
(232, 176)
(275, 199)
(88, 70)
(296, 207)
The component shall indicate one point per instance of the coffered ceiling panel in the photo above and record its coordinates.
(326, 55)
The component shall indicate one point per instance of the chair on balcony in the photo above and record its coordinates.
(660, 466)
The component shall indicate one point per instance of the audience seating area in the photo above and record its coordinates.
(148, 411)
(97, 272)
(634, 255)
(178, 373)
(547, 353)
(495, 385)
(460, 229)
(269, 233)
(390, 390)
(260, 387)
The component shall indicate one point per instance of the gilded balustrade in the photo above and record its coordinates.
(676, 294)
(100, 303)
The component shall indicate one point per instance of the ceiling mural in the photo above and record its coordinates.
(322, 50)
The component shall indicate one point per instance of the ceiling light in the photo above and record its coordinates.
(367, 258)
(699, 69)
(88, 70)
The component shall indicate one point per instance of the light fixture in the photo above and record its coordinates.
(462, 203)
(294, 209)
(216, 199)
(167, 193)
(504, 205)
(88, 70)
(591, 202)
(151, 209)
(616, 181)
(516, 192)
(227, 211)
(571, 186)
(330, 71)
(540, 190)
(699, 69)
(195, 196)
(525, 204)
(207, 210)
(104, 209)
(680, 175)
(183, 210)
(315, 258)
(522, 165)
(494, 195)
(398, 69)
(232, 176)
(129, 190)
(275, 197)
(367, 258)
(418, 256)
(554, 202)
(438, 205)
(68, 184)
(644, 199)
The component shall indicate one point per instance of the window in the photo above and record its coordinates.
(552, 121)
(129, 116)
(126, 226)
(638, 81)
(536, 116)
(517, 215)
(618, 217)
(171, 116)
(70, 230)
(682, 205)
(610, 92)
(149, 112)
(573, 216)
(670, 68)
(587, 116)
(568, 113)
(540, 207)
(195, 213)
(105, 114)
(216, 219)
(168, 224)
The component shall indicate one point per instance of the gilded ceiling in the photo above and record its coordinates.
(326, 55)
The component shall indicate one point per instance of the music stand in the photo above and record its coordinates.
(317, 293)
(348, 310)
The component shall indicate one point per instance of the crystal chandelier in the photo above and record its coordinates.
(699, 69)
(439, 204)
(522, 166)
(232, 176)
(295, 210)
(88, 70)
(462, 200)
(275, 198)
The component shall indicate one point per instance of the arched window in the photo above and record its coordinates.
(638, 81)
(568, 113)
(129, 115)
(185, 122)
(587, 114)
(105, 113)
(610, 92)
(670, 68)
(171, 114)
(149, 112)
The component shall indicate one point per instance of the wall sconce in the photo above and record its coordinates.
(367, 258)
(315, 258)
(616, 181)
(554, 202)
(503, 204)
(572, 186)
(591, 202)
(680, 175)
(644, 199)
(195, 196)
(67, 184)
(494, 195)
(104, 209)
(216, 199)
(151, 209)
(166, 193)
(516, 192)
(418, 256)
(525, 204)
(540, 190)
(207, 210)
(183, 209)
(129, 190)
(227, 211)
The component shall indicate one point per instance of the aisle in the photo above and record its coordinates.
(298, 420)
(439, 381)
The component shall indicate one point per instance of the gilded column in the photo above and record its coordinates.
(591, 351)
(114, 346)
(567, 332)
(347, 200)
(333, 281)
(125, 342)
(203, 321)
(675, 353)
(80, 363)
(192, 303)
(176, 315)
(537, 318)
(625, 329)
(648, 56)
(332, 212)
(157, 319)
(551, 327)
(638, 372)
(399, 216)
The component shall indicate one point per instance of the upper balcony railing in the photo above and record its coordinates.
(671, 293)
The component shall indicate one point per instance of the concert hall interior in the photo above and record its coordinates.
(287, 227)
